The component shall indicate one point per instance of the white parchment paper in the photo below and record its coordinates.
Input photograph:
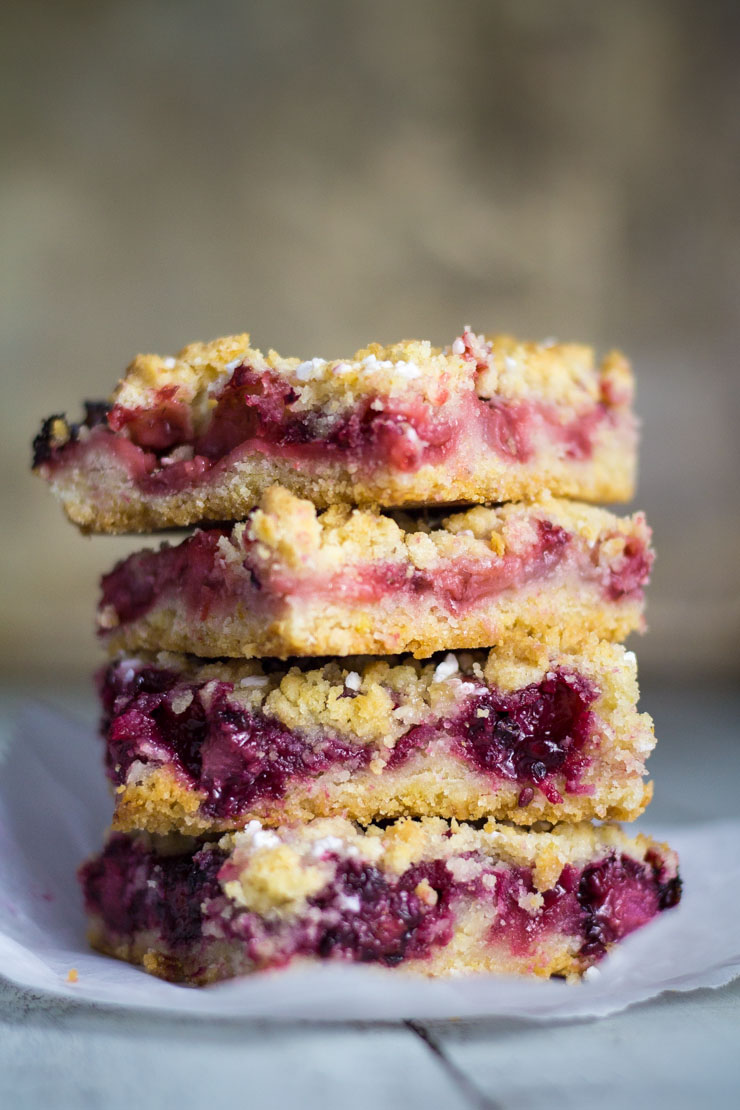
(54, 807)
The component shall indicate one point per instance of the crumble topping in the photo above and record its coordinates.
(318, 697)
(290, 529)
(274, 881)
(201, 371)
(565, 373)
(389, 695)
(277, 878)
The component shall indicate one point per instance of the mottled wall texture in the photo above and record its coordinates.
(331, 172)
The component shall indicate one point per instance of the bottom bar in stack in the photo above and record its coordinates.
(436, 897)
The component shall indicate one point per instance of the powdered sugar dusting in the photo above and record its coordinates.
(253, 837)
(447, 668)
(327, 844)
(408, 369)
(231, 366)
(251, 681)
(372, 363)
(313, 368)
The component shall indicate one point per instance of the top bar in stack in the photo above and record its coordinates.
(201, 436)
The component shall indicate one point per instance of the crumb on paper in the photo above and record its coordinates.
(72, 975)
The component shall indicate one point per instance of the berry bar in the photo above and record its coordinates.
(291, 582)
(203, 435)
(522, 733)
(426, 896)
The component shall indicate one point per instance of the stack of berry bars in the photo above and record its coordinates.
(349, 716)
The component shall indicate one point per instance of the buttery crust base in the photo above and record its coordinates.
(159, 803)
(468, 952)
(558, 615)
(101, 497)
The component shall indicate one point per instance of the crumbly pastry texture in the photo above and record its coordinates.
(294, 582)
(425, 896)
(202, 435)
(522, 733)
(427, 811)
(563, 373)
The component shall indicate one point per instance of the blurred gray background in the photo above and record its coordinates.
(327, 173)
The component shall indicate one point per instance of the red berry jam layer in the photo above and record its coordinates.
(235, 757)
(530, 735)
(211, 913)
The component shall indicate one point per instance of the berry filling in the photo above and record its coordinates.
(134, 890)
(512, 430)
(527, 736)
(253, 413)
(530, 735)
(630, 571)
(388, 921)
(461, 583)
(158, 429)
(367, 915)
(192, 569)
(617, 900)
(236, 757)
(254, 409)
